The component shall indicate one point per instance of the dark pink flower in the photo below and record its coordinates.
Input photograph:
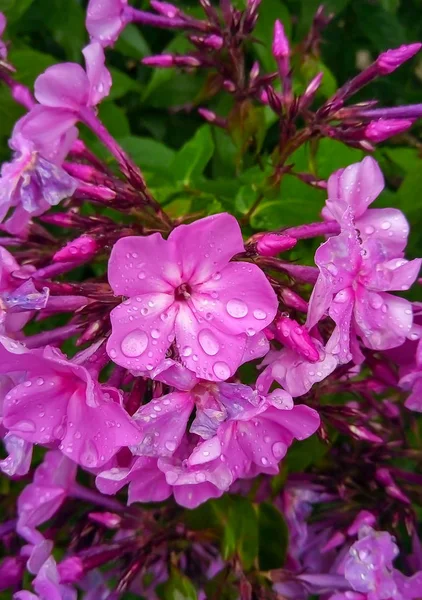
(185, 289)
(3, 48)
(61, 402)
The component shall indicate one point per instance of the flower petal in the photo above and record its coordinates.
(205, 350)
(143, 265)
(142, 331)
(382, 320)
(388, 227)
(341, 311)
(206, 246)
(239, 299)
(65, 85)
(98, 75)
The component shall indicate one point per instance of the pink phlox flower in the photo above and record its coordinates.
(256, 432)
(185, 289)
(369, 568)
(42, 498)
(294, 372)
(30, 184)
(68, 86)
(361, 264)
(47, 585)
(18, 461)
(58, 401)
(105, 20)
(3, 47)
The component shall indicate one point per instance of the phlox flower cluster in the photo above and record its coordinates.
(200, 357)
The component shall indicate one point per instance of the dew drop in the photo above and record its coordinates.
(171, 446)
(26, 426)
(155, 334)
(40, 381)
(369, 229)
(208, 342)
(216, 276)
(200, 477)
(236, 308)
(141, 275)
(279, 450)
(135, 343)
(331, 268)
(259, 314)
(386, 225)
(376, 301)
(264, 461)
(171, 477)
(221, 370)
(186, 351)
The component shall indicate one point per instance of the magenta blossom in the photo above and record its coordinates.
(47, 585)
(105, 20)
(30, 184)
(41, 499)
(358, 266)
(185, 289)
(61, 402)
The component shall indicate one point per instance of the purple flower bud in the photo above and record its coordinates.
(3, 48)
(296, 337)
(310, 91)
(11, 572)
(229, 86)
(211, 117)
(165, 8)
(382, 129)
(293, 300)
(107, 519)
(213, 41)
(389, 61)
(70, 570)
(82, 248)
(364, 517)
(281, 49)
(164, 61)
(270, 244)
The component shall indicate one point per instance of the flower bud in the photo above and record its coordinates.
(382, 129)
(165, 8)
(70, 570)
(80, 249)
(389, 61)
(281, 49)
(296, 337)
(270, 244)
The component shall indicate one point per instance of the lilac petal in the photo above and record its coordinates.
(105, 20)
(396, 274)
(142, 331)
(191, 496)
(98, 75)
(143, 265)
(206, 246)
(174, 374)
(239, 299)
(47, 583)
(162, 424)
(205, 452)
(257, 346)
(341, 311)
(20, 455)
(25, 297)
(206, 350)
(354, 187)
(63, 85)
(382, 320)
(413, 381)
(388, 226)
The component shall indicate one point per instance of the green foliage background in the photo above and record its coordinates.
(192, 167)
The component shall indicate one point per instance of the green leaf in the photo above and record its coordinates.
(29, 64)
(273, 537)
(192, 159)
(14, 9)
(66, 22)
(10, 112)
(309, 69)
(382, 28)
(147, 153)
(305, 453)
(114, 118)
(132, 43)
(269, 11)
(177, 587)
(122, 84)
(241, 532)
(332, 155)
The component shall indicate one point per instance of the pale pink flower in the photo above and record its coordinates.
(185, 289)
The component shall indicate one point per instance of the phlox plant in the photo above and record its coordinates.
(210, 333)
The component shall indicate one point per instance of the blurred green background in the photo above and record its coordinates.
(193, 167)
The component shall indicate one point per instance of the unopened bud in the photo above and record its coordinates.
(82, 248)
(382, 129)
(293, 300)
(211, 117)
(70, 570)
(389, 61)
(281, 49)
(296, 337)
(271, 244)
(165, 8)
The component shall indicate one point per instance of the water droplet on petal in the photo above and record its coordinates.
(369, 229)
(186, 351)
(221, 370)
(200, 477)
(26, 426)
(40, 381)
(171, 477)
(259, 314)
(279, 450)
(141, 275)
(89, 456)
(113, 353)
(216, 276)
(135, 343)
(331, 268)
(375, 301)
(208, 342)
(250, 332)
(155, 334)
(264, 461)
(386, 225)
(236, 308)
(171, 446)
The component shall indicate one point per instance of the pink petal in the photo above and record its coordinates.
(341, 311)
(191, 496)
(413, 381)
(396, 274)
(205, 350)
(104, 20)
(382, 320)
(64, 85)
(354, 187)
(20, 455)
(162, 424)
(98, 75)
(239, 299)
(301, 421)
(257, 346)
(174, 374)
(95, 433)
(148, 483)
(388, 227)
(35, 410)
(142, 331)
(338, 260)
(264, 450)
(206, 246)
(206, 451)
(143, 265)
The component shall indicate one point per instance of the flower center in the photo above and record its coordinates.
(183, 292)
